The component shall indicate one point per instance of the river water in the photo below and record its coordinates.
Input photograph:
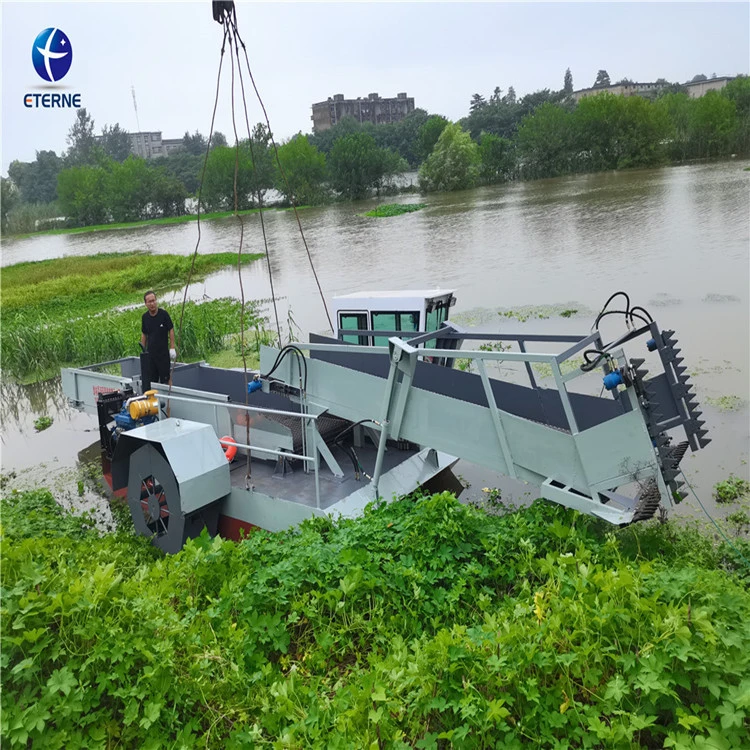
(676, 239)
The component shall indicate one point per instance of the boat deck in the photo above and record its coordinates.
(299, 487)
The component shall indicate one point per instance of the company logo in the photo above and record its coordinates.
(52, 54)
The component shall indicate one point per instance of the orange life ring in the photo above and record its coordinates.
(229, 446)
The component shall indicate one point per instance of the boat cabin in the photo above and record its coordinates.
(370, 318)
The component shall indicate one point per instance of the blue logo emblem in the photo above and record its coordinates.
(52, 54)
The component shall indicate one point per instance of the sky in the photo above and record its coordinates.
(304, 52)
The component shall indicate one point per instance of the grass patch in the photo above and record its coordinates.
(37, 344)
(73, 286)
(395, 209)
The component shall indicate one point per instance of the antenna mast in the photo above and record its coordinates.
(140, 151)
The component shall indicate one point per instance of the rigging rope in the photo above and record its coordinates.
(200, 191)
(258, 193)
(282, 172)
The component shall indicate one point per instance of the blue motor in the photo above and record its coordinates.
(124, 422)
(254, 385)
(613, 379)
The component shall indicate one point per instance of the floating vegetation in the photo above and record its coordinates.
(73, 286)
(42, 423)
(395, 209)
(544, 370)
(731, 489)
(726, 403)
(720, 298)
(568, 313)
(662, 299)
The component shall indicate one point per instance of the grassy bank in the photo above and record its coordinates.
(424, 624)
(63, 312)
(149, 222)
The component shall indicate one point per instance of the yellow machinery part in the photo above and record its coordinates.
(148, 406)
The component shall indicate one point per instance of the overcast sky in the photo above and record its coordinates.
(300, 53)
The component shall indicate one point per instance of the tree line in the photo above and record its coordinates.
(503, 137)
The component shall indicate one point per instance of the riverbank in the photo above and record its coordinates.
(184, 219)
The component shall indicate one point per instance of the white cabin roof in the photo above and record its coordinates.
(401, 293)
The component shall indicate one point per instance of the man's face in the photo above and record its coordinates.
(151, 303)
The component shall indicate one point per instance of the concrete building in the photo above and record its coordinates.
(369, 109)
(696, 89)
(622, 89)
(150, 144)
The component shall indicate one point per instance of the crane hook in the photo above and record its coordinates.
(223, 11)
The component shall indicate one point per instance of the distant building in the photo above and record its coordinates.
(623, 89)
(696, 89)
(149, 145)
(370, 109)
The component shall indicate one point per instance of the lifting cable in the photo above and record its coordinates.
(225, 14)
(281, 169)
(200, 191)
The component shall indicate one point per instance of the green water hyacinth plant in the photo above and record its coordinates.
(423, 624)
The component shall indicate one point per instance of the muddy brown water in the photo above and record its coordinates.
(676, 239)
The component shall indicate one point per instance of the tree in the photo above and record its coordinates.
(429, 134)
(533, 101)
(194, 144)
(83, 149)
(168, 194)
(615, 132)
(602, 79)
(355, 165)
(218, 139)
(254, 176)
(182, 166)
(304, 168)
(115, 142)
(36, 181)
(738, 91)
(453, 163)
(496, 95)
(568, 83)
(128, 188)
(477, 102)
(496, 158)
(9, 199)
(82, 195)
(625, 82)
(699, 77)
(510, 97)
(544, 141)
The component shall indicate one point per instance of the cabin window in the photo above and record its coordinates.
(353, 321)
(436, 316)
(393, 321)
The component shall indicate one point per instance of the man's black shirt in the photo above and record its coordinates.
(157, 328)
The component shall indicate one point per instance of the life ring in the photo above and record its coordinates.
(229, 446)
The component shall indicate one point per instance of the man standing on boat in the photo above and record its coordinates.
(156, 329)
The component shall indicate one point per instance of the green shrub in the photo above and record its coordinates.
(425, 623)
